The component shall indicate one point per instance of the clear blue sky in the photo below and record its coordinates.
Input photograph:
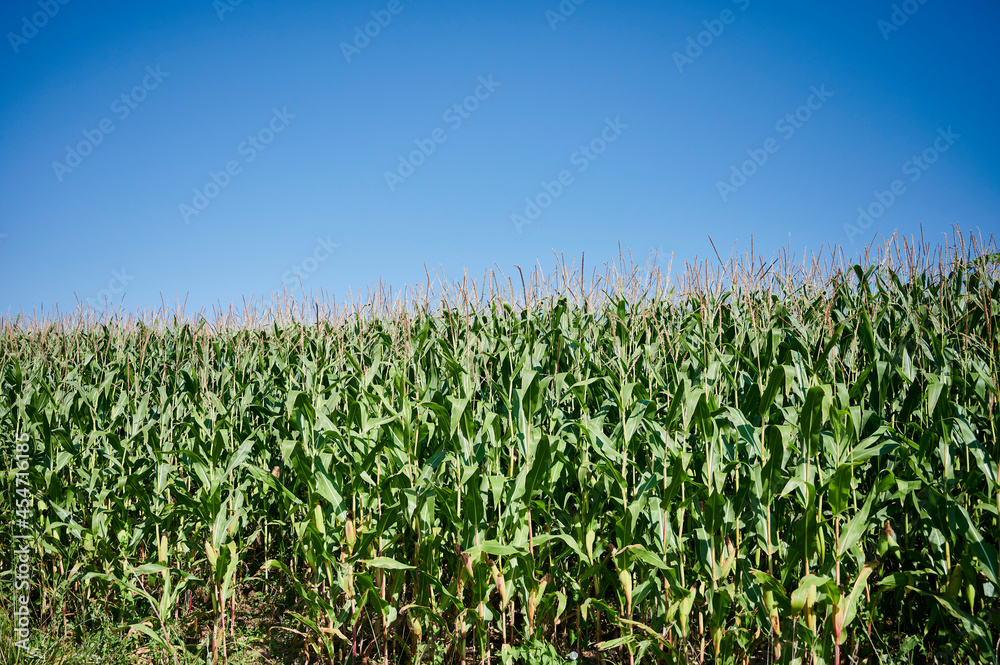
(309, 129)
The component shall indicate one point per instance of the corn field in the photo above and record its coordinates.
(747, 462)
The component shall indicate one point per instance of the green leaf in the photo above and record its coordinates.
(983, 552)
(644, 555)
(849, 608)
(801, 595)
(971, 625)
(811, 416)
(839, 488)
(494, 548)
(327, 488)
(386, 563)
(856, 527)
(774, 384)
(151, 634)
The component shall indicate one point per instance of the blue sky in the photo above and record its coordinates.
(209, 151)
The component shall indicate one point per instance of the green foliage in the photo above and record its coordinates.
(533, 652)
(784, 470)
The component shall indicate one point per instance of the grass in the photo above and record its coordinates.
(749, 462)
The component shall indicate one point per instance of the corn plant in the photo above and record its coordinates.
(755, 461)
